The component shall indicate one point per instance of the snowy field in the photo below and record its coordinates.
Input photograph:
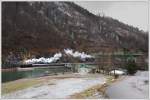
(61, 88)
(132, 87)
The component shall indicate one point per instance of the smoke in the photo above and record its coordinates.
(76, 54)
(56, 57)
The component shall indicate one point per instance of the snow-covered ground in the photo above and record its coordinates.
(132, 87)
(62, 88)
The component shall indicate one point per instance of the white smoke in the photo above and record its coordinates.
(56, 57)
(76, 54)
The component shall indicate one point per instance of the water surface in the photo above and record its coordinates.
(36, 72)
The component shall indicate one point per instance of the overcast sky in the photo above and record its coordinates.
(132, 13)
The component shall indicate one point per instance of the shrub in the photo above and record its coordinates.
(116, 76)
(131, 67)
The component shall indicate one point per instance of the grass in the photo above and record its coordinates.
(91, 91)
(87, 93)
(18, 85)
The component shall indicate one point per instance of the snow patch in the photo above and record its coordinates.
(83, 71)
(62, 89)
(118, 72)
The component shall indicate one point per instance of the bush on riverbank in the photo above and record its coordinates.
(131, 67)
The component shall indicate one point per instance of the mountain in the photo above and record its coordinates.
(42, 28)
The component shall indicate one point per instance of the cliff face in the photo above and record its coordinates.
(43, 27)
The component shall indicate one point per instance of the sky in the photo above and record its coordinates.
(130, 12)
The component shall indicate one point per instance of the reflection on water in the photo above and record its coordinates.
(36, 72)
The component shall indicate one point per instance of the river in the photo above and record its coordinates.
(35, 72)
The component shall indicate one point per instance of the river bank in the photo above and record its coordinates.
(59, 86)
(77, 86)
(9, 69)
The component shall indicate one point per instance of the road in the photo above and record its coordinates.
(131, 87)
